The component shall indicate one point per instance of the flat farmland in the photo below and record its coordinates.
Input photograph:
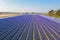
(29, 27)
(5, 15)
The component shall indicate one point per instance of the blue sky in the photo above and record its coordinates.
(29, 5)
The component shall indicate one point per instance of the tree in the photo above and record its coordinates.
(51, 12)
(58, 12)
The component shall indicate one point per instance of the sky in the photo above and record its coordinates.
(29, 5)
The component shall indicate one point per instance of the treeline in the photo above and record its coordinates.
(52, 12)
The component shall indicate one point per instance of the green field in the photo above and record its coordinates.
(55, 16)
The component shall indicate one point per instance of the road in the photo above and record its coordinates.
(29, 27)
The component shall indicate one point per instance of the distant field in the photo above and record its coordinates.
(7, 15)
